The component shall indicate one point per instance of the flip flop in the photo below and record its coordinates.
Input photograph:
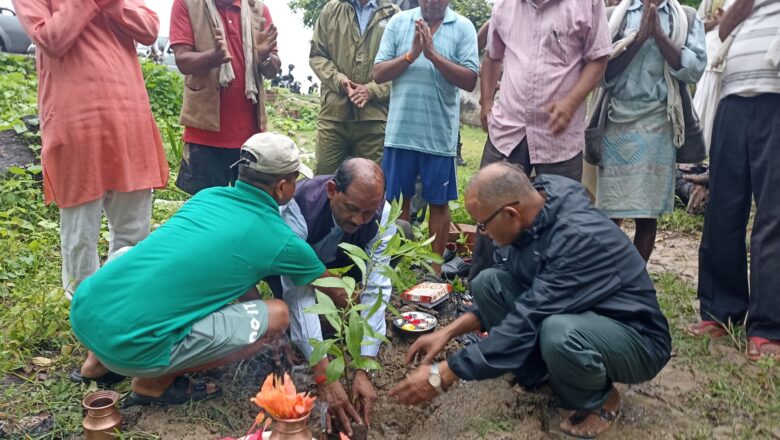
(107, 379)
(579, 416)
(182, 390)
(713, 329)
(755, 343)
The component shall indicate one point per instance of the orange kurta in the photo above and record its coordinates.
(96, 123)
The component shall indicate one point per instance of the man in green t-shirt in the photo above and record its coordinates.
(166, 307)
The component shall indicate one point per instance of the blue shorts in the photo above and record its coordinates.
(401, 167)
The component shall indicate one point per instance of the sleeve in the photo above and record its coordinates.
(377, 284)
(55, 32)
(388, 47)
(268, 22)
(576, 276)
(468, 53)
(495, 47)
(598, 42)
(134, 19)
(181, 26)
(693, 56)
(292, 215)
(298, 262)
(320, 59)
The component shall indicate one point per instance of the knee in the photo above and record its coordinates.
(278, 317)
(555, 338)
(484, 284)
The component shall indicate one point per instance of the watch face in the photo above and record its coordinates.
(434, 380)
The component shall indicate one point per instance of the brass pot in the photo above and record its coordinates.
(103, 418)
(293, 429)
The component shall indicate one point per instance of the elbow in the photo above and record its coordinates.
(471, 83)
(380, 76)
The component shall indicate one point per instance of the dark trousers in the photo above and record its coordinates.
(584, 352)
(744, 164)
(203, 167)
(482, 254)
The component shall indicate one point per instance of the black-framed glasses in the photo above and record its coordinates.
(481, 226)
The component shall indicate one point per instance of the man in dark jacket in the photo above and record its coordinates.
(572, 302)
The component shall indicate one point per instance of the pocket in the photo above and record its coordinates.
(555, 42)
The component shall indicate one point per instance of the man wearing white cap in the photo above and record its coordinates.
(165, 307)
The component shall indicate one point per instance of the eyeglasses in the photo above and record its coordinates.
(482, 226)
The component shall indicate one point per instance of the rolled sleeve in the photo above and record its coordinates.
(598, 43)
(693, 56)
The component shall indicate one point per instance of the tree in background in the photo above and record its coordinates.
(478, 11)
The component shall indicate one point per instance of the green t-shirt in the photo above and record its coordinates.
(222, 242)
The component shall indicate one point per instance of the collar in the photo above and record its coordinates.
(449, 15)
(373, 3)
(636, 4)
(254, 192)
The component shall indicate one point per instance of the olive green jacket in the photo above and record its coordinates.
(338, 51)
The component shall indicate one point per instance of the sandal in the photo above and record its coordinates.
(182, 390)
(713, 329)
(107, 379)
(754, 352)
(579, 416)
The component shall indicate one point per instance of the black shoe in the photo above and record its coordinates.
(460, 162)
(107, 379)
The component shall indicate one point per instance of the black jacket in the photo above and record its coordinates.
(572, 260)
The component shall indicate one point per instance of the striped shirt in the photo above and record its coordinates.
(544, 46)
(748, 72)
(424, 111)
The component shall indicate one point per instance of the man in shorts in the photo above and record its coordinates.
(166, 307)
(429, 53)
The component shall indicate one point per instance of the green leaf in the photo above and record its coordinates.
(350, 282)
(372, 333)
(393, 310)
(355, 335)
(329, 282)
(367, 363)
(335, 321)
(377, 304)
(340, 271)
(359, 263)
(335, 369)
(324, 305)
(351, 249)
(320, 349)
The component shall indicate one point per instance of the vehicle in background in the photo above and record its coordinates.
(12, 36)
(160, 52)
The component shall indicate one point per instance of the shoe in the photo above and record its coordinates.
(107, 379)
(713, 329)
(460, 162)
(457, 267)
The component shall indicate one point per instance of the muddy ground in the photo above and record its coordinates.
(493, 409)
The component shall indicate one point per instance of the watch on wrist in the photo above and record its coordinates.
(434, 379)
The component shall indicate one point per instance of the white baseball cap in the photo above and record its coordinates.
(273, 153)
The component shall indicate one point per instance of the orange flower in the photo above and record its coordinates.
(279, 398)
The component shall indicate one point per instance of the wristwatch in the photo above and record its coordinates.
(434, 379)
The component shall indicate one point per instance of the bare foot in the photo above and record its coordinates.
(92, 367)
(591, 424)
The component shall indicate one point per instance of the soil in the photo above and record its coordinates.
(14, 151)
(494, 409)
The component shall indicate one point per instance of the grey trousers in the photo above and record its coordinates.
(584, 353)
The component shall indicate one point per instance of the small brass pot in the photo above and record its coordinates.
(103, 419)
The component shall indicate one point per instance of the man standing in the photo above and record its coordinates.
(353, 108)
(574, 303)
(347, 207)
(102, 150)
(166, 307)
(424, 118)
(553, 53)
(744, 160)
(224, 51)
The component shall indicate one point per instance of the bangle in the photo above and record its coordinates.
(409, 58)
(321, 379)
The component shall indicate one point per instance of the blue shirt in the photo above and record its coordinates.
(364, 13)
(640, 89)
(424, 110)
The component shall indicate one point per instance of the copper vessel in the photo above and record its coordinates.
(294, 429)
(103, 418)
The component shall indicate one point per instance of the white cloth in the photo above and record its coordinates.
(129, 217)
(226, 74)
(305, 326)
(679, 35)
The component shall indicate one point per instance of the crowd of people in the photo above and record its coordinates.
(562, 291)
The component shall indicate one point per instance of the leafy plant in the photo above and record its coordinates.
(349, 323)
